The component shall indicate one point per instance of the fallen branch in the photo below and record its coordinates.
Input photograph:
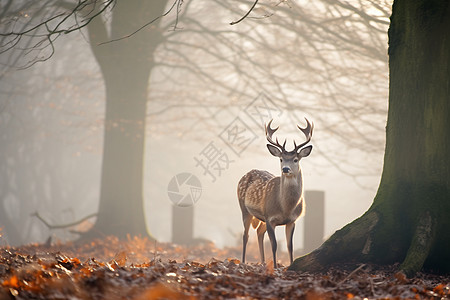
(60, 226)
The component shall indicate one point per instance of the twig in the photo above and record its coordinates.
(372, 290)
(245, 16)
(351, 274)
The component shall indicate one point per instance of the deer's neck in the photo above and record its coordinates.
(291, 190)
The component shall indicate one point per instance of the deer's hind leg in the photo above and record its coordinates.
(261, 231)
(247, 220)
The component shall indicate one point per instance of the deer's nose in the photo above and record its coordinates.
(286, 170)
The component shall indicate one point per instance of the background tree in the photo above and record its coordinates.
(42, 139)
(126, 67)
(408, 221)
(320, 58)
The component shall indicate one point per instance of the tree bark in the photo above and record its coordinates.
(126, 67)
(408, 221)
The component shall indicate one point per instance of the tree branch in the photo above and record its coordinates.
(176, 3)
(245, 16)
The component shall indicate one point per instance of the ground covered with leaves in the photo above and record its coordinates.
(139, 268)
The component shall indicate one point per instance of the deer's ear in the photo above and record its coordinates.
(274, 150)
(304, 152)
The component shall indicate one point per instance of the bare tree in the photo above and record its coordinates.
(41, 142)
(125, 67)
(319, 58)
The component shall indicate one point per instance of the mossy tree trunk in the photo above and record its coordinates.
(408, 221)
(126, 67)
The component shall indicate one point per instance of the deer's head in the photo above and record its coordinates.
(289, 160)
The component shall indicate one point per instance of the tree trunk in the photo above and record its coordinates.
(408, 221)
(126, 67)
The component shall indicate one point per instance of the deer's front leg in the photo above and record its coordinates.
(289, 238)
(273, 242)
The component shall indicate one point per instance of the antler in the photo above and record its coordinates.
(269, 133)
(307, 131)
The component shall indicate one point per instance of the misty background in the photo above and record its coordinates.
(324, 60)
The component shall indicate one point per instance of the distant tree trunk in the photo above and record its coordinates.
(126, 67)
(9, 227)
(408, 221)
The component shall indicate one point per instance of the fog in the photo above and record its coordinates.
(287, 61)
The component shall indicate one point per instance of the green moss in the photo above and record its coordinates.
(421, 244)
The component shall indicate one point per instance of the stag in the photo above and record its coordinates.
(267, 201)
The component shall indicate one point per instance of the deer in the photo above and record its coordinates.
(267, 201)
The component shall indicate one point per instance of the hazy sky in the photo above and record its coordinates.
(210, 78)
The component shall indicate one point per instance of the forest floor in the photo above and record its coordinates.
(139, 268)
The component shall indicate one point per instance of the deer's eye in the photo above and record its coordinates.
(281, 160)
(295, 160)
